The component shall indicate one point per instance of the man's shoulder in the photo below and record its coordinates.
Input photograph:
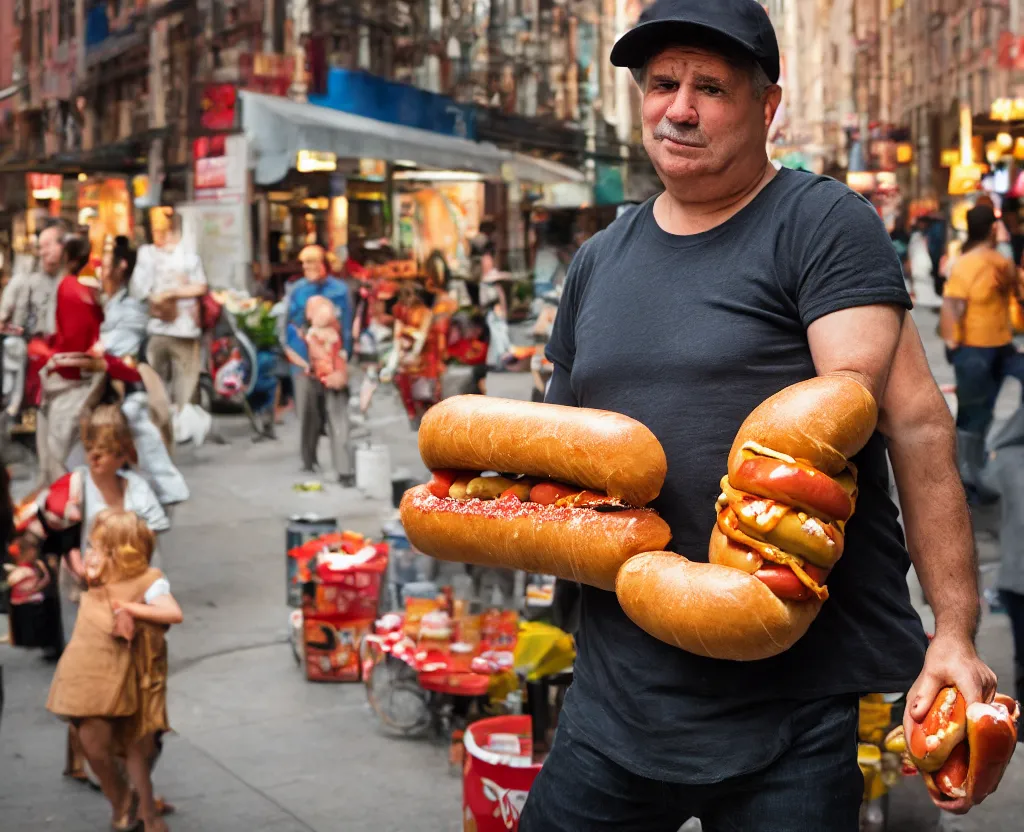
(812, 196)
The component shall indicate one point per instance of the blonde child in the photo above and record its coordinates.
(111, 680)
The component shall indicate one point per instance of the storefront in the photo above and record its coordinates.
(331, 177)
(105, 208)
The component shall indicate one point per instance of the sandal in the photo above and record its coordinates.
(163, 808)
(130, 822)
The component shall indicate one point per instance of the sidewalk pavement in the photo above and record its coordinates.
(259, 748)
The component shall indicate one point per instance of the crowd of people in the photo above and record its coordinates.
(94, 345)
(109, 352)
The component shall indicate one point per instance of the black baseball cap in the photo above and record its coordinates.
(745, 23)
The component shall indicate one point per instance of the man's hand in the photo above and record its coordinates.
(951, 660)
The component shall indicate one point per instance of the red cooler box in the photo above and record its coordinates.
(338, 613)
(498, 773)
(332, 648)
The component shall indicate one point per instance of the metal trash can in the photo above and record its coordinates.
(301, 529)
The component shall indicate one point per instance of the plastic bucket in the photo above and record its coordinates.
(496, 780)
(301, 529)
(400, 483)
(373, 471)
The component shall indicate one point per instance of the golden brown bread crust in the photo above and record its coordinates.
(709, 610)
(823, 421)
(602, 451)
(573, 543)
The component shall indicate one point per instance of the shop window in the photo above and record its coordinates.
(65, 20)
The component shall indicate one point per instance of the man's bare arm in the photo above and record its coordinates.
(922, 446)
(858, 342)
(921, 438)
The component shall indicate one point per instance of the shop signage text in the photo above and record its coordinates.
(218, 106)
(45, 185)
(1007, 109)
(211, 172)
(316, 161)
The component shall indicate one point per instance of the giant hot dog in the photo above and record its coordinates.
(961, 750)
(543, 488)
(780, 525)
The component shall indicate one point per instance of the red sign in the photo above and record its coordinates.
(218, 106)
(1010, 51)
(211, 172)
(267, 72)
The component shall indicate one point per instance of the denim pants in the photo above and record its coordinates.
(980, 373)
(814, 786)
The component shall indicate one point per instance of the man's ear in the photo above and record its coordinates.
(772, 98)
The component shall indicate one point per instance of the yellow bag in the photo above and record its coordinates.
(543, 650)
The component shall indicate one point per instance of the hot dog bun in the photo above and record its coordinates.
(601, 451)
(822, 421)
(709, 610)
(721, 609)
(577, 544)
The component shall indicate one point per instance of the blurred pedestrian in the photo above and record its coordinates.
(1004, 474)
(416, 365)
(171, 280)
(111, 682)
(976, 328)
(921, 273)
(26, 312)
(311, 397)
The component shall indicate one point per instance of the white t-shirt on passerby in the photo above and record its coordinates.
(159, 270)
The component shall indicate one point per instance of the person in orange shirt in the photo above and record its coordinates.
(975, 324)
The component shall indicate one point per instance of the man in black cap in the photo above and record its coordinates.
(743, 280)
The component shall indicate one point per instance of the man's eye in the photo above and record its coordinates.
(665, 85)
(710, 89)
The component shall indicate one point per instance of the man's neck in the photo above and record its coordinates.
(678, 215)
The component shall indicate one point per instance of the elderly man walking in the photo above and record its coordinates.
(314, 401)
(734, 283)
(27, 309)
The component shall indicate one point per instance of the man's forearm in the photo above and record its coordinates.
(938, 526)
(922, 446)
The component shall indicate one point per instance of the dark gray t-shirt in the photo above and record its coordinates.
(688, 334)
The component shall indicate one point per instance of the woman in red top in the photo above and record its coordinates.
(74, 367)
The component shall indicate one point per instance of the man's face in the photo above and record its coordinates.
(700, 114)
(50, 251)
(312, 261)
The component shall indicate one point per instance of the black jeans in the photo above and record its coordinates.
(815, 786)
(1014, 603)
(980, 373)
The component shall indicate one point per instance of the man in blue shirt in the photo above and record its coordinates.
(312, 399)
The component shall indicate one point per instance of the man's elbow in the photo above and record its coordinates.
(930, 424)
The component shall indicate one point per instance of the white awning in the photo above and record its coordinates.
(278, 128)
(544, 171)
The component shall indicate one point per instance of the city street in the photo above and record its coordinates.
(256, 746)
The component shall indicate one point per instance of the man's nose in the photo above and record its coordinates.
(683, 109)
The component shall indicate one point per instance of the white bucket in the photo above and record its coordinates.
(373, 471)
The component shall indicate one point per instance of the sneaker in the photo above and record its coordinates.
(347, 480)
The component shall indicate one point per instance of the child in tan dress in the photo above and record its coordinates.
(111, 680)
